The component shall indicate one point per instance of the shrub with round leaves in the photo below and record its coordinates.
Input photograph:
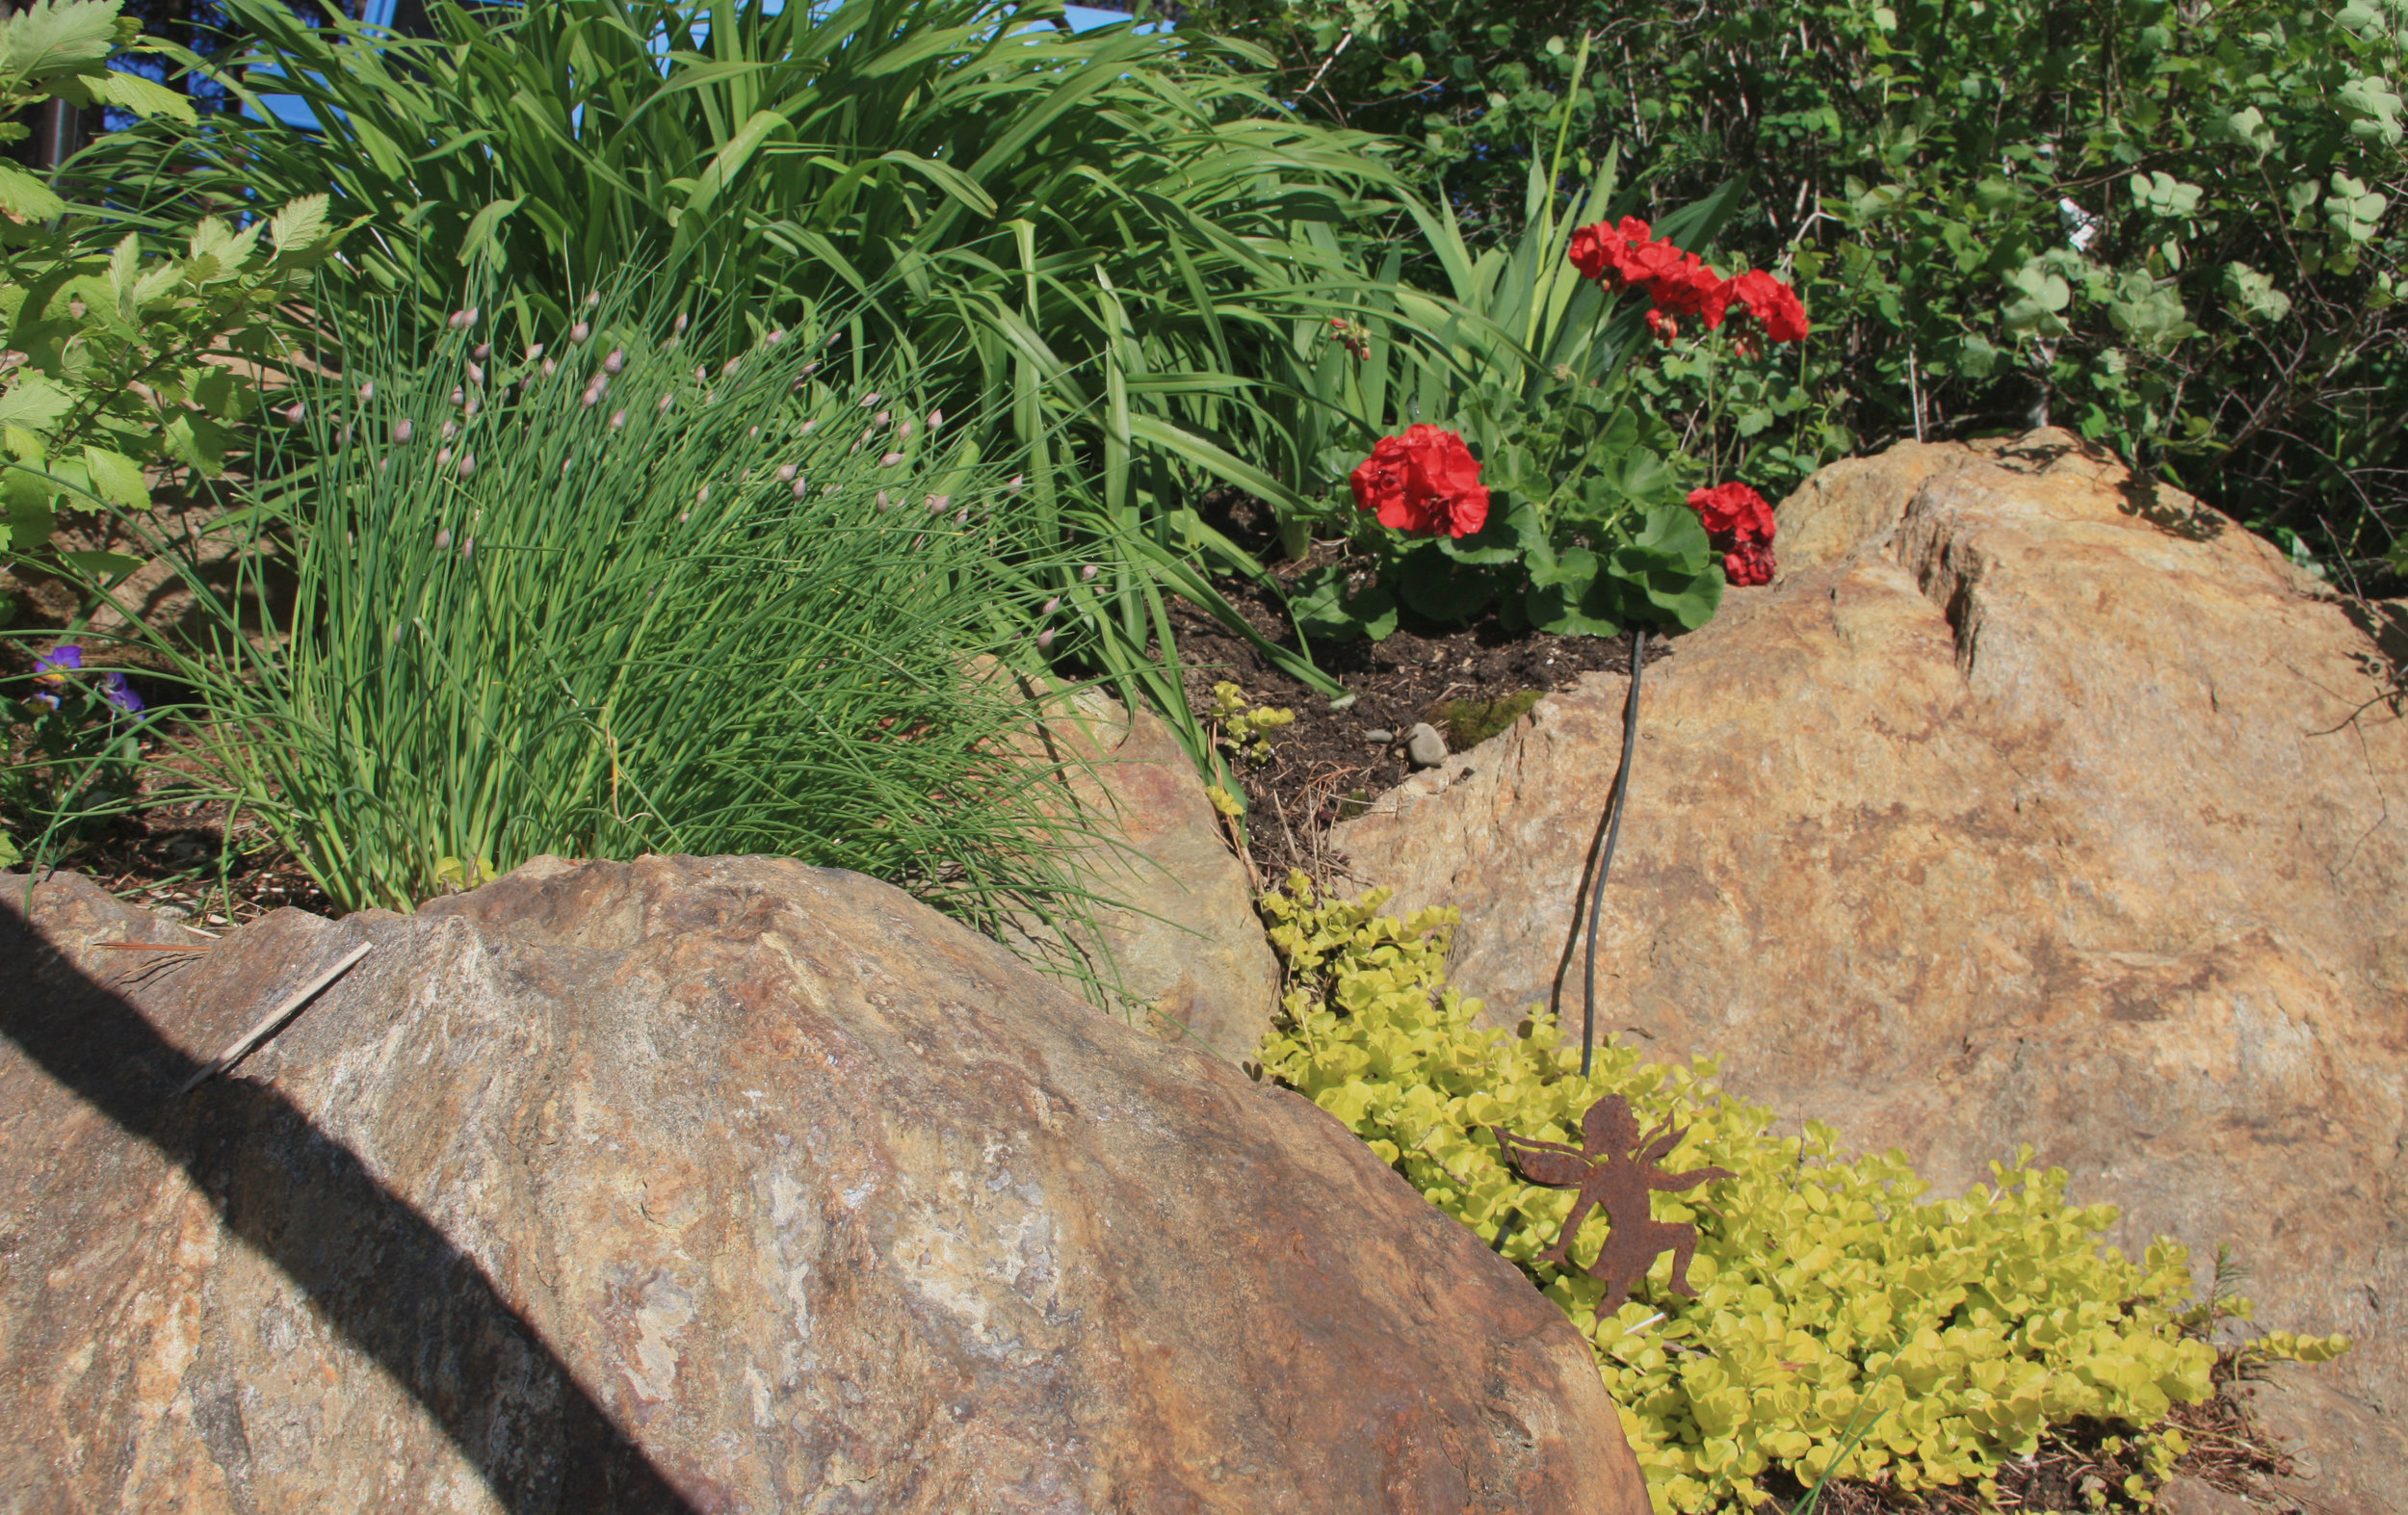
(1844, 1323)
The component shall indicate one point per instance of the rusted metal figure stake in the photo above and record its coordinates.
(1615, 1171)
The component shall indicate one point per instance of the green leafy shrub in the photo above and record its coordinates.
(1844, 1324)
(2174, 228)
(600, 603)
(106, 351)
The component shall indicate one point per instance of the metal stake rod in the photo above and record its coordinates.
(1604, 860)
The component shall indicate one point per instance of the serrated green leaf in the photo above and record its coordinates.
(23, 195)
(133, 93)
(299, 225)
(34, 403)
(117, 478)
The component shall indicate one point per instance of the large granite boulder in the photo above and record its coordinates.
(713, 1185)
(2031, 805)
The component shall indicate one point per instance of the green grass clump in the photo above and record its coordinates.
(603, 602)
(1844, 1324)
(1469, 722)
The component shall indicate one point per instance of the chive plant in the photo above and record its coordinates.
(590, 597)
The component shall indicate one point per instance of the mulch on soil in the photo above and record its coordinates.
(1326, 763)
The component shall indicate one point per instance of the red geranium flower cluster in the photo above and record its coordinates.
(1740, 524)
(1424, 481)
(1677, 284)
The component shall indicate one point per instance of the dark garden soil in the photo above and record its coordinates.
(1470, 682)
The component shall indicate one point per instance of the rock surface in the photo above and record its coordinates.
(1183, 935)
(2030, 804)
(713, 1185)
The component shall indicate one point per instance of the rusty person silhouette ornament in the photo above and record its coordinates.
(1615, 1171)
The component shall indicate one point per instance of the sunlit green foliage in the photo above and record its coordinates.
(600, 603)
(1844, 1324)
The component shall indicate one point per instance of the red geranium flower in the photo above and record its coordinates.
(1740, 524)
(1424, 481)
(1734, 512)
(1771, 301)
(1748, 564)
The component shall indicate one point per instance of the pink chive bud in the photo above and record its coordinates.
(936, 418)
(579, 332)
(890, 460)
(467, 464)
(459, 320)
(680, 326)
(786, 473)
(1051, 606)
(881, 418)
(449, 430)
(443, 539)
(296, 411)
(904, 429)
(961, 517)
(534, 349)
(702, 374)
(476, 374)
(753, 435)
(485, 349)
(343, 437)
(683, 516)
(808, 424)
(666, 401)
(592, 396)
(727, 370)
(830, 490)
(549, 368)
(367, 391)
(475, 404)
(702, 496)
(857, 447)
(385, 465)
(402, 431)
(1017, 479)
(565, 467)
(884, 503)
(467, 548)
(593, 297)
(618, 420)
(442, 456)
(459, 396)
(870, 399)
(1045, 639)
(810, 368)
(939, 503)
(1087, 575)
(617, 361)
(802, 486)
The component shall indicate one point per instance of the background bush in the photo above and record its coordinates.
(1097, 232)
(1844, 1325)
(2174, 228)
